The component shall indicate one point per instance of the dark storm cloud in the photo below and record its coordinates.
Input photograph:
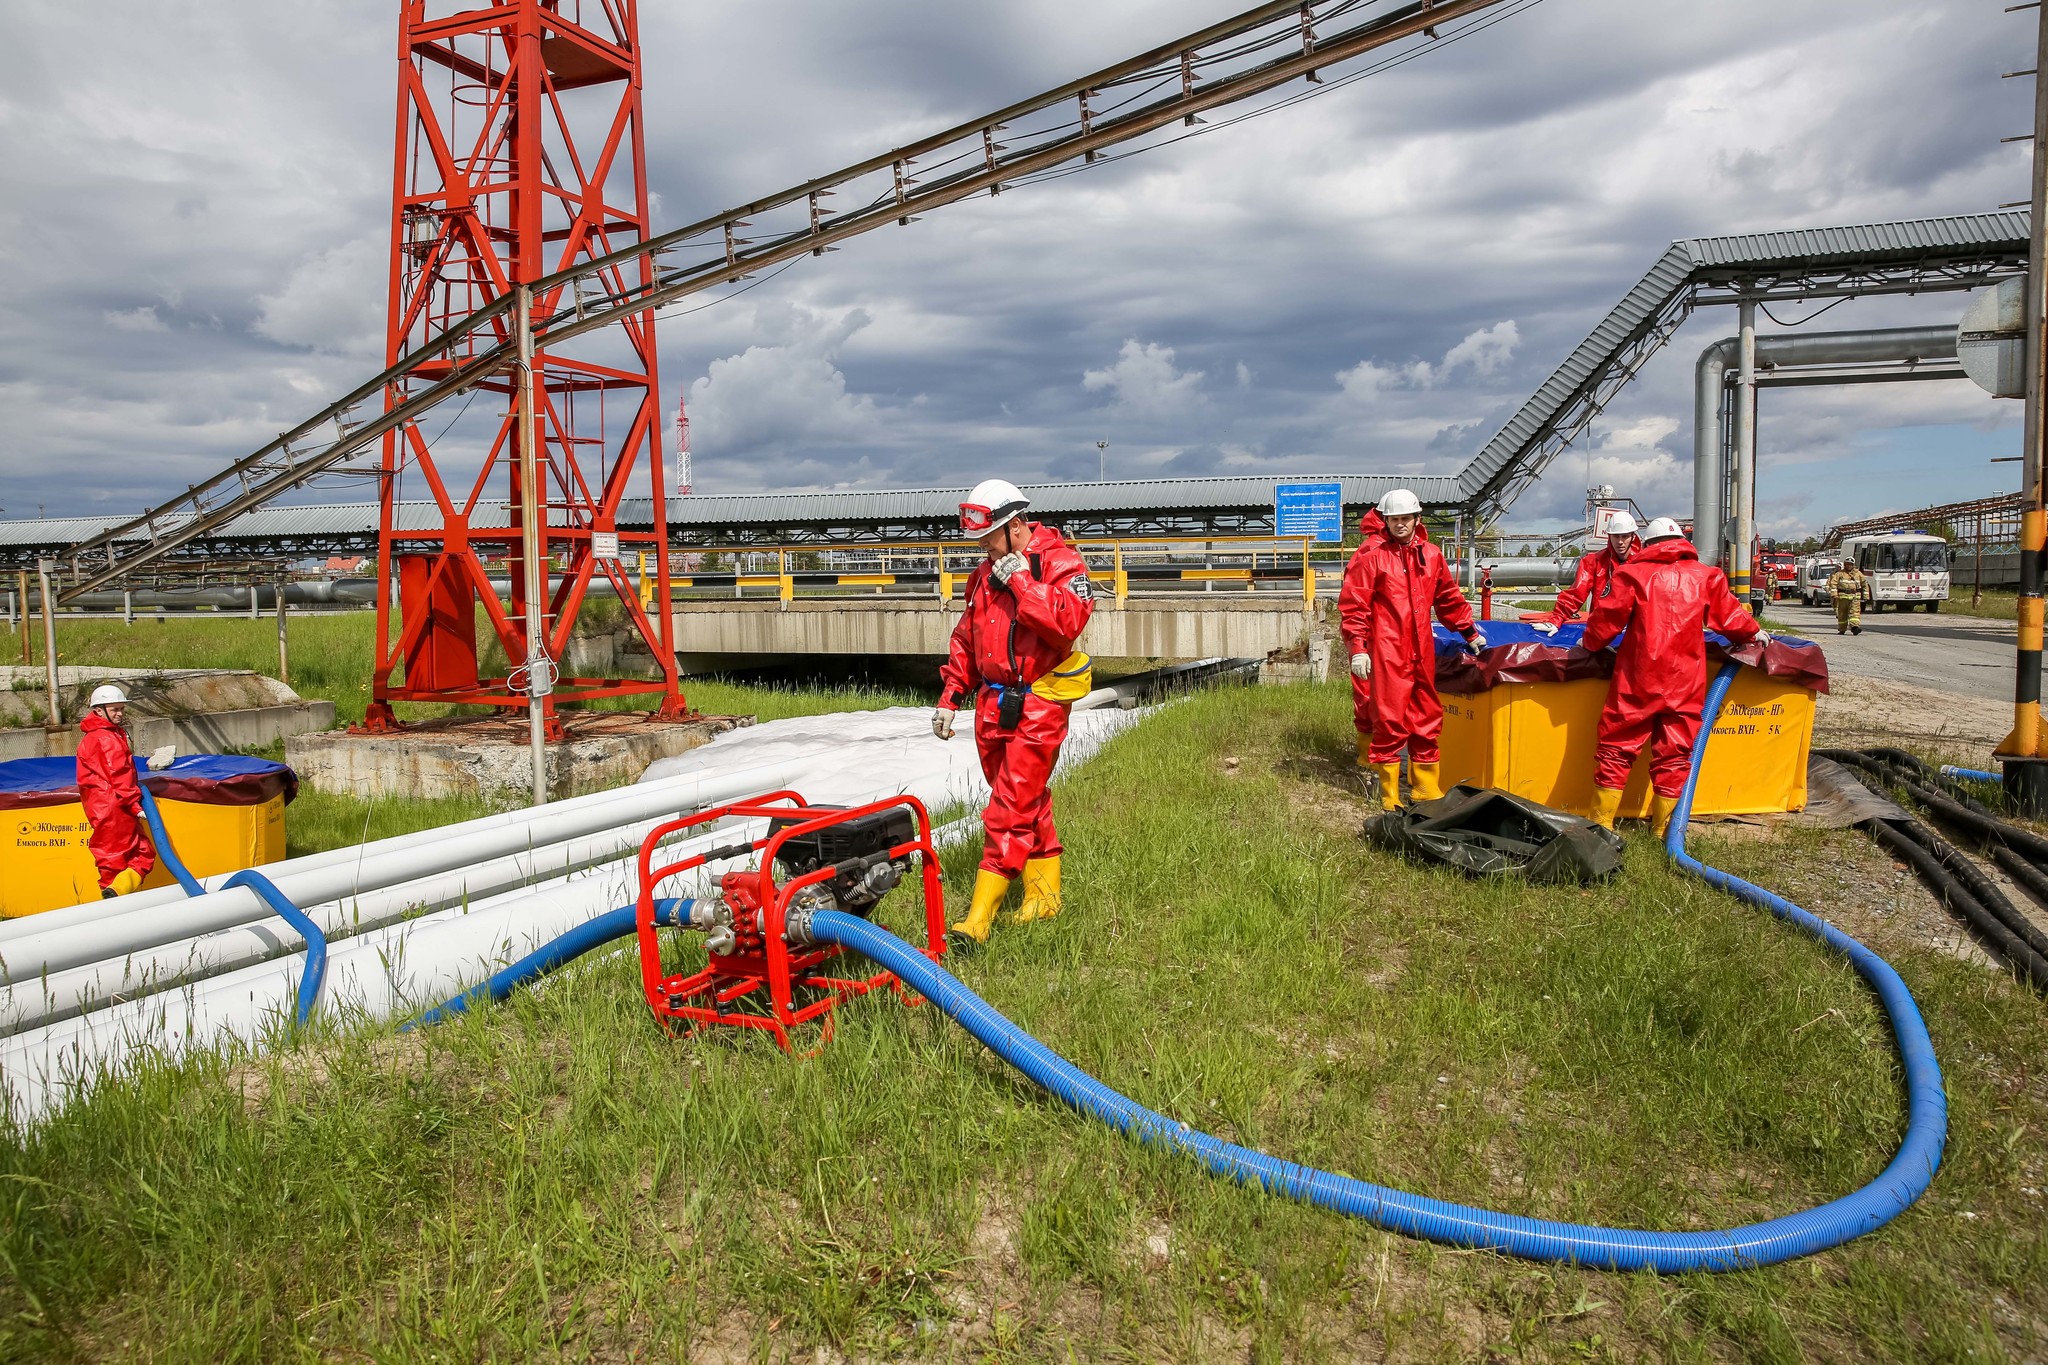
(1372, 280)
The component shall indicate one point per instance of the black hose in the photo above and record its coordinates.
(1987, 892)
(1969, 814)
(2020, 870)
(2016, 956)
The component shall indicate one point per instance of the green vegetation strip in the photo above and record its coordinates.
(553, 1178)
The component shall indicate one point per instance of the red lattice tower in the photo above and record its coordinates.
(519, 153)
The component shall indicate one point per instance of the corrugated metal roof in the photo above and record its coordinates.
(1166, 495)
(1684, 262)
(838, 507)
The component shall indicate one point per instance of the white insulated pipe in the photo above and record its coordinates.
(557, 821)
(77, 944)
(377, 975)
(62, 994)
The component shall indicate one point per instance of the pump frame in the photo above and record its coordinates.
(783, 970)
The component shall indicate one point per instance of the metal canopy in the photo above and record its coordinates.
(1235, 505)
(1922, 255)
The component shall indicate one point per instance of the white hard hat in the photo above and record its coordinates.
(1399, 502)
(1660, 528)
(1621, 524)
(993, 503)
(107, 694)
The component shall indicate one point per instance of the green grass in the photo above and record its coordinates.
(553, 1178)
(1997, 604)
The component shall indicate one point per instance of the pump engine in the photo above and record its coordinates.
(762, 969)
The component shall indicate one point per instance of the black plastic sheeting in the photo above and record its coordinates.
(1488, 832)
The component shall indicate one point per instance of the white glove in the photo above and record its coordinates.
(1010, 563)
(1544, 627)
(1763, 637)
(1475, 642)
(1361, 665)
(942, 722)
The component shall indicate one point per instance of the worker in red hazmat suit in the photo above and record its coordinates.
(1012, 657)
(1665, 600)
(1402, 580)
(111, 796)
(1372, 528)
(1595, 573)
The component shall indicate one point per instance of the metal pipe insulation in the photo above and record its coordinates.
(78, 943)
(377, 866)
(1710, 478)
(377, 975)
(53, 996)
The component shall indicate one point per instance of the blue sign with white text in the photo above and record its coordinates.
(1315, 510)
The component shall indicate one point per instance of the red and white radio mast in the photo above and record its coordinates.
(518, 155)
(682, 449)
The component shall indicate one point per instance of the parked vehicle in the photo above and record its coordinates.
(1778, 570)
(1814, 571)
(1905, 568)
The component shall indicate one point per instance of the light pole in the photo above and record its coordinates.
(1102, 450)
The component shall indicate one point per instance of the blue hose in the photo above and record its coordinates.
(586, 937)
(1436, 1220)
(1974, 774)
(315, 973)
(1414, 1215)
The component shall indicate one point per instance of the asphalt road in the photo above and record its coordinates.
(1960, 654)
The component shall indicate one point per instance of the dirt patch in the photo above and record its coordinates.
(1858, 888)
(1859, 712)
(311, 1068)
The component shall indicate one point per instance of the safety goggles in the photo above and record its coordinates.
(977, 520)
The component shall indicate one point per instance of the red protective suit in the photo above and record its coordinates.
(1666, 599)
(112, 799)
(1399, 585)
(1350, 614)
(1589, 585)
(1012, 635)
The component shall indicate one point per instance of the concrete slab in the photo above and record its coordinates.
(469, 755)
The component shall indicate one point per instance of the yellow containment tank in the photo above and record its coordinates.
(1537, 739)
(223, 813)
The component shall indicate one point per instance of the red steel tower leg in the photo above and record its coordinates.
(519, 152)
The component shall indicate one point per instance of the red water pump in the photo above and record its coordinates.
(763, 970)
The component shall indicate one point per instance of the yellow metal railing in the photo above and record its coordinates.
(940, 558)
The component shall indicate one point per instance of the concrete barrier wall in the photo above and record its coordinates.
(1193, 627)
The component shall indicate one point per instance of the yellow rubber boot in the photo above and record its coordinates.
(1390, 784)
(1427, 780)
(126, 881)
(1041, 889)
(1365, 750)
(989, 890)
(1606, 805)
(1662, 808)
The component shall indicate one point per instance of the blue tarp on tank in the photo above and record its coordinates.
(212, 779)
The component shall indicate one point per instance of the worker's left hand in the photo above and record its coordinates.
(1011, 563)
(1475, 642)
(1544, 627)
(942, 722)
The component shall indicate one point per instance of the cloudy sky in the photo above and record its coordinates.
(197, 202)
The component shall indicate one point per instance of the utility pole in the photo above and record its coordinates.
(2025, 781)
(540, 674)
(44, 568)
(1742, 565)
